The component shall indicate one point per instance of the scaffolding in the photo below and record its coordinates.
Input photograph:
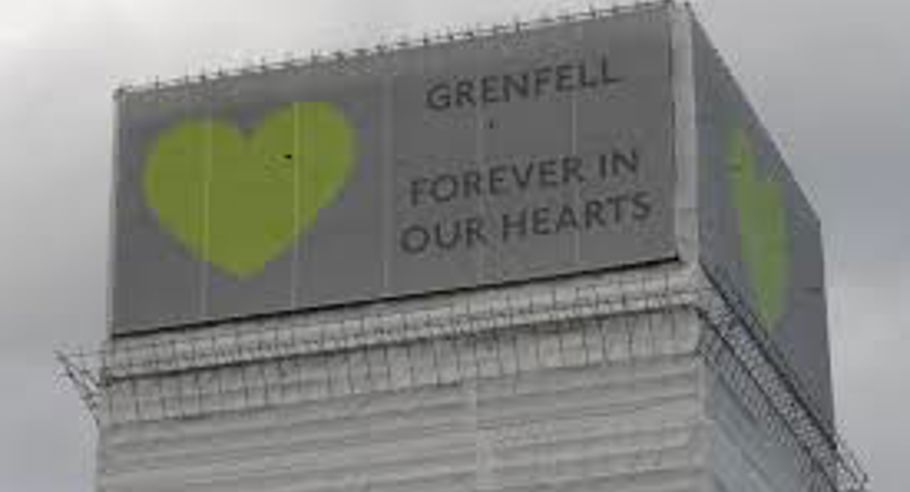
(293, 61)
(271, 361)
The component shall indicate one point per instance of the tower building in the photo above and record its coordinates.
(562, 255)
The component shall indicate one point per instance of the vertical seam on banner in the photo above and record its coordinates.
(480, 151)
(671, 25)
(479, 157)
(206, 210)
(577, 194)
(386, 192)
(295, 224)
(576, 251)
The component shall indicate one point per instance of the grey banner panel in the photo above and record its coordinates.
(759, 235)
(534, 153)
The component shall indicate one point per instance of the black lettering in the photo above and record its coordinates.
(540, 221)
(516, 84)
(566, 219)
(417, 190)
(523, 176)
(618, 163)
(439, 97)
(489, 89)
(497, 176)
(625, 161)
(583, 75)
(448, 236)
(517, 226)
(444, 188)
(414, 240)
(616, 204)
(547, 176)
(594, 212)
(543, 76)
(572, 170)
(470, 181)
(606, 79)
(537, 82)
(642, 207)
(464, 93)
(565, 78)
(474, 230)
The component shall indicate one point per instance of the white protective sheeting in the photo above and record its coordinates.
(749, 452)
(583, 406)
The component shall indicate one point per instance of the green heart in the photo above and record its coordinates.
(239, 200)
(764, 235)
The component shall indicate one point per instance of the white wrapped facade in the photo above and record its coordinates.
(610, 383)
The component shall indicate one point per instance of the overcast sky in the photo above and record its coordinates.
(831, 79)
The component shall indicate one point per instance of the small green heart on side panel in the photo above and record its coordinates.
(763, 229)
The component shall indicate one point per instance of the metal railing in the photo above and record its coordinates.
(181, 371)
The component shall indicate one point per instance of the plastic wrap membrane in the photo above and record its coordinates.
(606, 403)
(649, 382)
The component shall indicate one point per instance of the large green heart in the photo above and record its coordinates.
(763, 230)
(239, 200)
